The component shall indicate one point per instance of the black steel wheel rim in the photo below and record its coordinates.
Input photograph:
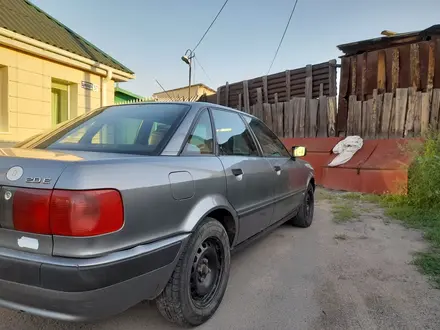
(207, 271)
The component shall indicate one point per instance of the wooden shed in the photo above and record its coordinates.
(383, 65)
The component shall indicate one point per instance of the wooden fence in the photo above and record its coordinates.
(405, 113)
(402, 64)
(297, 117)
(286, 85)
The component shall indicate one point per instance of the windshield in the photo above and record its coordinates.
(135, 129)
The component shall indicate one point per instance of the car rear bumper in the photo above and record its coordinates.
(86, 289)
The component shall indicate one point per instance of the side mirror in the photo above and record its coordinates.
(298, 151)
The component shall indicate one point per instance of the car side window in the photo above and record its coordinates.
(233, 137)
(271, 145)
(200, 141)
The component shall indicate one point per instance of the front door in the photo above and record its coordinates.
(249, 177)
(288, 189)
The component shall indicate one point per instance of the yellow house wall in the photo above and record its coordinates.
(27, 86)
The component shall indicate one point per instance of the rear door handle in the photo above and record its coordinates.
(277, 168)
(237, 171)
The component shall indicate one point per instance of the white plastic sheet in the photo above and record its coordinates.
(345, 150)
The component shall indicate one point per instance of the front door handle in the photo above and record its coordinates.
(277, 168)
(237, 171)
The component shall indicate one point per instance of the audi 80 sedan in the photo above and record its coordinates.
(140, 202)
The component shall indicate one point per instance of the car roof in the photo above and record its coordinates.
(195, 106)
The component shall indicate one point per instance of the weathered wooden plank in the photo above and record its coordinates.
(302, 117)
(386, 115)
(373, 116)
(287, 85)
(275, 97)
(371, 72)
(366, 117)
(296, 115)
(331, 115)
(280, 118)
(431, 66)
(423, 64)
(308, 92)
(357, 121)
(437, 60)
(313, 117)
(265, 95)
(267, 115)
(321, 90)
(322, 117)
(424, 116)
(418, 115)
(395, 70)
(414, 66)
(379, 111)
(218, 95)
(259, 105)
(409, 124)
(246, 96)
(350, 118)
(345, 77)
(353, 75)
(288, 119)
(435, 109)
(273, 108)
(227, 94)
(381, 71)
(239, 106)
(398, 125)
(332, 77)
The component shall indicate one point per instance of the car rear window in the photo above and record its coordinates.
(134, 129)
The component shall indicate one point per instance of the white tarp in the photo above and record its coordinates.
(345, 150)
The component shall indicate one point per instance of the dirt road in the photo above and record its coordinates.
(352, 275)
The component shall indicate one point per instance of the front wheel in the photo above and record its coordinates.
(198, 284)
(304, 217)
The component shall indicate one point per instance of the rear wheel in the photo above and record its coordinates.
(304, 217)
(198, 284)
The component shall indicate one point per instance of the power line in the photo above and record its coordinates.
(212, 23)
(282, 38)
(203, 69)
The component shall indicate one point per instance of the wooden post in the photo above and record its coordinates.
(332, 77)
(353, 75)
(218, 95)
(415, 66)
(287, 85)
(342, 115)
(246, 96)
(395, 70)
(265, 95)
(227, 94)
(308, 93)
(381, 72)
(239, 102)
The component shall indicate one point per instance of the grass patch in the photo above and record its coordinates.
(321, 194)
(344, 212)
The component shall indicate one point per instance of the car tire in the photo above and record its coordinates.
(304, 217)
(198, 283)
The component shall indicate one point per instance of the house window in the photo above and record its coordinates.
(4, 112)
(60, 102)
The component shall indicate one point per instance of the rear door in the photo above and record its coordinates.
(249, 177)
(285, 170)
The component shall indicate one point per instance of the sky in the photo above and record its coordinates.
(150, 36)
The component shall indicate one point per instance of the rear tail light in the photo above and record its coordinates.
(67, 212)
